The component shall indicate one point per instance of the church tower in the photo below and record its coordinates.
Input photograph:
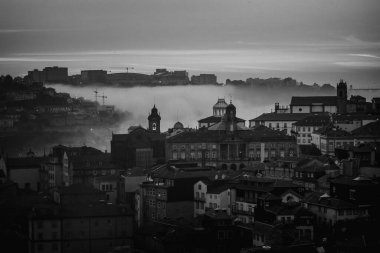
(341, 93)
(230, 117)
(341, 90)
(154, 119)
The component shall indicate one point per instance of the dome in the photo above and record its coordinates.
(221, 103)
(178, 125)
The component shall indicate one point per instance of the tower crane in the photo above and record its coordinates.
(103, 98)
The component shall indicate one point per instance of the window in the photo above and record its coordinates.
(199, 187)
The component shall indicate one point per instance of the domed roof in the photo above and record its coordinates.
(221, 103)
(178, 125)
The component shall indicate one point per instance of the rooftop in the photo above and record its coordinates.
(281, 116)
(327, 201)
(215, 119)
(260, 133)
(370, 130)
(314, 120)
(325, 100)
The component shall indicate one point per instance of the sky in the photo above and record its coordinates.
(312, 40)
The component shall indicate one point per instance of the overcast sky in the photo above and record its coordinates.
(345, 33)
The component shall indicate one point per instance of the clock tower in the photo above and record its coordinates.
(154, 119)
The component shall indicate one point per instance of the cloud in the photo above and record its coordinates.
(366, 55)
(359, 64)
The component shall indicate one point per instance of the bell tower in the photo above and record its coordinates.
(154, 119)
(341, 90)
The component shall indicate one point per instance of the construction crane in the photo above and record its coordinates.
(128, 68)
(103, 98)
(96, 95)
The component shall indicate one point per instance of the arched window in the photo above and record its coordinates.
(154, 126)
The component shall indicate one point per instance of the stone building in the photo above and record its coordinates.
(227, 144)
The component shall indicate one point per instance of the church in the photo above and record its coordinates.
(140, 147)
(219, 109)
(227, 144)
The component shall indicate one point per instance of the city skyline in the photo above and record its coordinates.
(310, 41)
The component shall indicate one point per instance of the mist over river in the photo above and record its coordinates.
(186, 104)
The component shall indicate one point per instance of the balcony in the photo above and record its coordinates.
(200, 198)
(243, 212)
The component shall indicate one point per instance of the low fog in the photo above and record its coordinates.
(186, 104)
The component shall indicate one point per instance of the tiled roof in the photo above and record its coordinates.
(215, 119)
(288, 209)
(371, 129)
(260, 133)
(332, 132)
(281, 116)
(218, 186)
(342, 117)
(325, 100)
(334, 203)
(314, 120)
(358, 181)
(77, 189)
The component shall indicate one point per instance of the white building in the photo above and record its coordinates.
(314, 104)
(303, 129)
(330, 210)
(211, 195)
(278, 121)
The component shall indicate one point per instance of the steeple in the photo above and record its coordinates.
(154, 119)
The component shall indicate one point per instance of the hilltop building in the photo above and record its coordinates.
(94, 76)
(204, 79)
(49, 75)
